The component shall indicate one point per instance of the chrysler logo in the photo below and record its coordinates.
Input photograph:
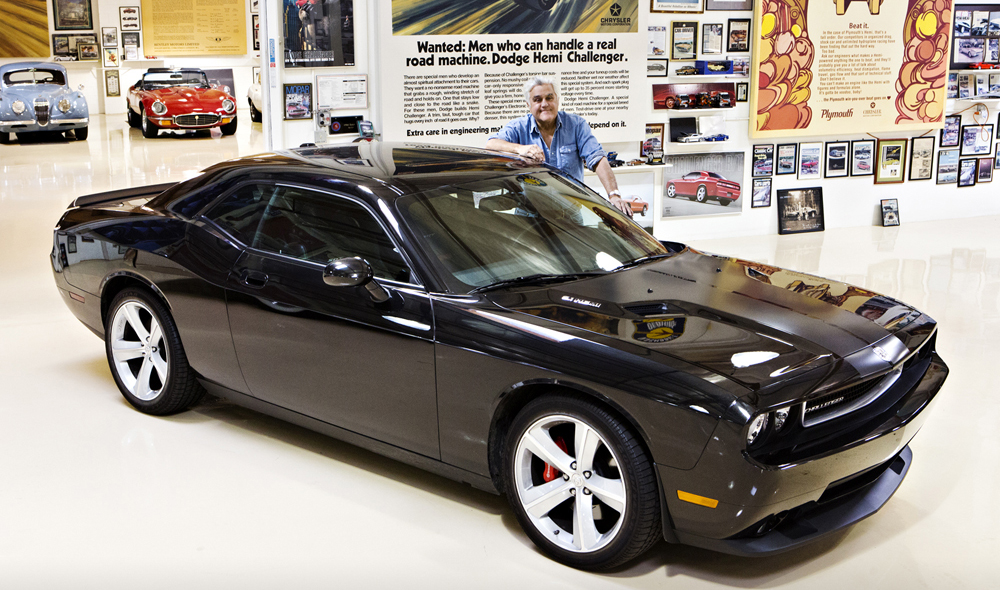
(880, 353)
(616, 9)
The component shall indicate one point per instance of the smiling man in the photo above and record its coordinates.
(556, 137)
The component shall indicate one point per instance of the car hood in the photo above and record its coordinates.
(756, 324)
(29, 92)
(184, 96)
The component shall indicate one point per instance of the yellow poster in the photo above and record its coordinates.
(831, 67)
(194, 27)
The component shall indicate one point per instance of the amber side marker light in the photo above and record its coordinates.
(696, 499)
(77, 297)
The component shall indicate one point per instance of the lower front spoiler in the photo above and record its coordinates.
(816, 519)
(31, 126)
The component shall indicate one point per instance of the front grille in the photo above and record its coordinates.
(196, 120)
(42, 112)
(840, 402)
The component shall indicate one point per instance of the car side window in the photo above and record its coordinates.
(241, 212)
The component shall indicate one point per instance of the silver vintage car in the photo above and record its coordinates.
(35, 97)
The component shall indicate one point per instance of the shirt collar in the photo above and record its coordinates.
(533, 124)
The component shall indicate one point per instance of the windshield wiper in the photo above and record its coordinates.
(642, 260)
(537, 279)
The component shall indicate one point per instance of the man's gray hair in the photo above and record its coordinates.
(538, 81)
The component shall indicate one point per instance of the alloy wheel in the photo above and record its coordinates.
(139, 355)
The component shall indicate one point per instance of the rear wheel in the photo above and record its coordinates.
(701, 194)
(725, 202)
(146, 357)
(229, 128)
(149, 130)
(580, 483)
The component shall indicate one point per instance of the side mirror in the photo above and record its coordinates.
(354, 272)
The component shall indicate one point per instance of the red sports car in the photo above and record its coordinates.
(168, 98)
(637, 205)
(704, 185)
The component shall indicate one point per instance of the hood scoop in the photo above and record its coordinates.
(653, 308)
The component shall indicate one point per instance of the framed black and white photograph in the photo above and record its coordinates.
(711, 38)
(836, 159)
(761, 193)
(130, 18)
(739, 35)
(967, 168)
(984, 170)
(657, 46)
(130, 39)
(947, 167)
(656, 68)
(800, 210)
(786, 159)
(298, 101)
(112, 83)
(763, 160)
(728, 4)
(890, 161)
(861, 157)
(683, 40)
(951, 133)
(72, 15)
(320, 37)
(109, 36)
(692, 6)
(977, 140)
(112, 58)
(890, 212)
(742, 91)
(922, 158)
(810, 160)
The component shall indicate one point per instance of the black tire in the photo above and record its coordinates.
(229, 128)
(134, 120)
(149, 129)
(672, 191)
(702, 194)
(537, 4)
(636, 529)
(6, 137)
(725, 202)
(179, 390)
(81, 133)
(644, 209)
(255, 115)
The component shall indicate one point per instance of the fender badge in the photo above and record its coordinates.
(880, 353)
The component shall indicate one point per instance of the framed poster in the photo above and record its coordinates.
(984, 170)
(112, 84)
(997, 158)
(728, 4)
(711, 38)
(692, 6)
(787, 158)
(129, 18)
(739, 35)
(130, 39)
(64, 46)
(763, 160)
(703, 184)
(836, 159)
(741, 65)
(112, 59)
(800, 210)
(109, 36)
(967, 168)
(950, 134)
(72, 15)
(890, 212)
(320, 37)
(952, 84)
(977, 140)
(653, 139)
(683, 40)
(947, 167)
(298, 101)
(742, 90)
(88, 51)
(890, 162)
(966, 87)
(657, 46)
(656, 68)
(922, 158)
(761, 193)
(131, 53)
(256, 32)
(810, 155)
(255, 6)
(861, 157)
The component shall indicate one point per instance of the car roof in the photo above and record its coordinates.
(31, 65)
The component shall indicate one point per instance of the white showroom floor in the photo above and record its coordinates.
(94, 494)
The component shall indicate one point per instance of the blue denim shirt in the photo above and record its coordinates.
(572, 144)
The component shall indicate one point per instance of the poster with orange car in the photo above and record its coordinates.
(830, 67)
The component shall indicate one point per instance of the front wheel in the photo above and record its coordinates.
(580, 483)
(149, 130)
(644, 209)
(5, 137)
(81, 133)
(229, 128)
(133, 119)
(255, 115)
(146, 357)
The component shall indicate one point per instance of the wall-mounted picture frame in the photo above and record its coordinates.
(112, 58)
(952, 85)
(131, 39)
(890, 161)
(922, 158)
(997, 157)
(837, 162)
(711, 38)
(890, 212)
(947, 167)
(72, 15)
(683, 40)
(691, 6)
(741, 65)
(810, 160)
(763, 161)
(112, 83)
(131, 53)
(256, 32)
(653, 140)
(657, 45)
(800, 210)
(728, 4)
(951, 133)
(786, 158)
(967, 168)
(984, 170)
(861, 157)
(130, 18)
(64, 47)
(977, 140)
(656, 68)
(298, 101)
(254, 6)
(742, 91)
(88, 51)
(761, 193)
(739, 35)
(109, 36)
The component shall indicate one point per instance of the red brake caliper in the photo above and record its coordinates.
(551, 472)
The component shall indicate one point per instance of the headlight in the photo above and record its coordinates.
(228, 105)
(780, 417)
(64, 105)
(17, 107)
(158, 108)
(756, 428)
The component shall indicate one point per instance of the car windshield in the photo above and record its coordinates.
(483, 232)
(34, 77)
(168, 79)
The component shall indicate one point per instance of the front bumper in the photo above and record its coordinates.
(186, 121)
(30, 125)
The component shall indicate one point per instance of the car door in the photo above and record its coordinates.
(332, 353)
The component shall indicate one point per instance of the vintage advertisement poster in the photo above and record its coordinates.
(456, 76)
(318, 33)
(194, 27)
(835, 67)
(25, 33)
(702, 184)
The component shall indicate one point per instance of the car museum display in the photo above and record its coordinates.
(35, 97)
(493, 321)
(179, 99)
(701, 186)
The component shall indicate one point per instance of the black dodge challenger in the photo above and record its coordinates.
(500, 324)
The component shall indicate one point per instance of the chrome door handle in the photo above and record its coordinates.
(253, 279)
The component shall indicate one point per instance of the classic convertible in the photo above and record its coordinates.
(500, 324)
(179, 99)
(36, 97)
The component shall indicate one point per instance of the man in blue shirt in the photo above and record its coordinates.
(561, 139)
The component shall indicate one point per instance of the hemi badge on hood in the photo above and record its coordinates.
(579, 301)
